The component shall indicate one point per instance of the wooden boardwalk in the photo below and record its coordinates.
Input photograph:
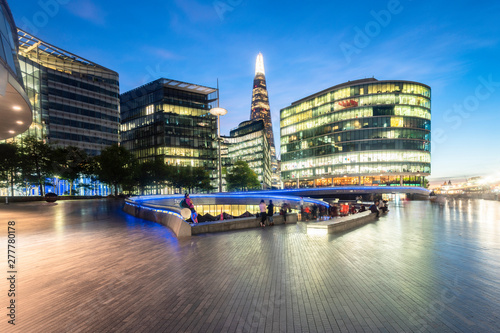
(85, 266)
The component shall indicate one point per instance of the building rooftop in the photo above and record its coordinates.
(174, 84)
(350, 84)
(46, 53)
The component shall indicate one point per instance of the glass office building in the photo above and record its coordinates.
(248, 142)
(15, 109)
(170, 119)
(364, 132)
(75, 101)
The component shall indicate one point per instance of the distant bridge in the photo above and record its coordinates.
(346, 191)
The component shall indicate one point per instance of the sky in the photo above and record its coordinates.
(307, 46)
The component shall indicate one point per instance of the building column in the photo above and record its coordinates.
(400, 180)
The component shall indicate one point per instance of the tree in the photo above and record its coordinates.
(116, 165)
(190, 178)
(35, 162)
(90, 170)
(241, 177)
(151, 173)
(69, 164)
(201, 179)
(9, 160)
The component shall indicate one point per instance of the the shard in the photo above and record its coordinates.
(260, 103)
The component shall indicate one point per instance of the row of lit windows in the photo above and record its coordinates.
(373, 122)
(299, 123)
(254, 152)
(355, 135)
(377, 88)
(190, 162)
(403, 100)
(363, 180)
(186, 152)
(388, 144)
(386, 168)
(167, 108)
(250, 136)
(360, 157)
(246, 144)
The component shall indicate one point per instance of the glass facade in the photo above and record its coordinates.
(15, 109)
(364, 132)
(249, 143)
(8, 42)
(32, 77)
(170, 120)
(75, 101)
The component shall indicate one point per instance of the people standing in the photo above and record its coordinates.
(262, 207)
(270, 213)
(307, 212)
(189, 202)
(284, 211)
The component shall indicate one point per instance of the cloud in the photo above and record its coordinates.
(197, 12)
(161, 53)
(88, 10)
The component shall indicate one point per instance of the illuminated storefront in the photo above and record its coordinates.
(364, 132)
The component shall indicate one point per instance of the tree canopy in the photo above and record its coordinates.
(241, 177)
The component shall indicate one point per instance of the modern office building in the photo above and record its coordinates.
(364, 132)
(75, 101)
(170, 120)
(248, 142)
(15, 108)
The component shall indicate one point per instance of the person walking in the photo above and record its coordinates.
(189, 203)
(270, 213)
(262, 207)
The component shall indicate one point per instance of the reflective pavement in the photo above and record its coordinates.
(85, 266)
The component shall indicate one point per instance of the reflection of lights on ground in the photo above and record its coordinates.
(317, 232)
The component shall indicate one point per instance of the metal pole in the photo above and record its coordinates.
(220, 166)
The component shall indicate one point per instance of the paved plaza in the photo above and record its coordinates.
(85, 266)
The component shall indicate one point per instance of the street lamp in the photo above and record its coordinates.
(219, 112)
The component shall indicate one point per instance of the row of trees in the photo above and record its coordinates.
(32, 162)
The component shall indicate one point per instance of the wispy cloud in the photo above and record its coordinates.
(197, 12)
(161, 53)
(88, 10)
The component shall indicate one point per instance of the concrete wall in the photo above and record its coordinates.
(343, 223)
(180, 227)
(183, 229)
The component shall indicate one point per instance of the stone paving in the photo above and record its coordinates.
(85, 266)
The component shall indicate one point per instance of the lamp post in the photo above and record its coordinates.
(219, 112)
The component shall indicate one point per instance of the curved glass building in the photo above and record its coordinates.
(15, 109)
(363, 132)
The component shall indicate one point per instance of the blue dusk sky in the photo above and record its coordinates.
(308, 46)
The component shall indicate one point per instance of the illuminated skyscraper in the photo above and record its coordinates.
(260, 102)
(262, 110)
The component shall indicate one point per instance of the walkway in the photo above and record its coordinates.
(85, 266)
